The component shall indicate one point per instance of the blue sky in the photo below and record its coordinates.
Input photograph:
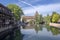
(29, 7)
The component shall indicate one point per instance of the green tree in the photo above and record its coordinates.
(37, 18)
(55, 17)
(16, 10)
(47, 19)
(40, 18)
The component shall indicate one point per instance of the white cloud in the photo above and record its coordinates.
(42, 9)
(31, 1)
(26, 3)
(34, 1)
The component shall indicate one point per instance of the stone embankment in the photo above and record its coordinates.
(55, 25)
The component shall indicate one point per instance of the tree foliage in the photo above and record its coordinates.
(16, 10)
(47, 19)
(37, 18)
(55, 17)
(41, 18)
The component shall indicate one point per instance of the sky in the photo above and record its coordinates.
(30, 7)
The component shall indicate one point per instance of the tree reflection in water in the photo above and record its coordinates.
(55, 31)
(39, 27)
(43, 32)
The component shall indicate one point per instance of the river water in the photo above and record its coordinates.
(41, 32)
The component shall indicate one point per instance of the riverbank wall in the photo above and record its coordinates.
(55, 25)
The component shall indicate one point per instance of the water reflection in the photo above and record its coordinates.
(38, 28)
(41, 32)
(55, 31)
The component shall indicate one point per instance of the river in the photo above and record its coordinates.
(41, 32)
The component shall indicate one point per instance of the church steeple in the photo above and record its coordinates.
(36, 13)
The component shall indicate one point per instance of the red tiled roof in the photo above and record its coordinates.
(29, 17)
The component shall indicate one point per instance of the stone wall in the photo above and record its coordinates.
(55, 25)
